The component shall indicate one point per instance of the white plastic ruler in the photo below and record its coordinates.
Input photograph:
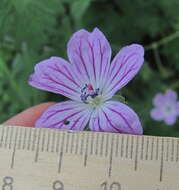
(50, 159)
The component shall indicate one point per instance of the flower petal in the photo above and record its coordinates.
(177, 108)
(55, 75)
(156, 114)
(159, 100)
(171, 96)
(115, 117)
(170, 120)
(90, 55)
(69, 115)
(124, 67)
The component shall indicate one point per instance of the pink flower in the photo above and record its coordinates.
(90, 81)
(166, 107)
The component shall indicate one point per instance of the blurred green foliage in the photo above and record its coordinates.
(31, 30)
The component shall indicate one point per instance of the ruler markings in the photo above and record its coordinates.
(117, 146)
(6, 138)
(161, 160)
(122, 146)
(58, 141)
(43, 140)
(86, 150)
(53, 140)
(2, 136)
(111, 156)
(20, 139)
(72, 143)
(152, 149)
(92, 141)
(10, 140)
(77, 143)
(61, 153)
(97, 143)
(37, 146)
(67, 143)
(132, 147)
(107, 145)
(136, 153)
(82, 143)
(142, 148)
(172, 153)
(177, 152)
(127, 146)
(29, 139)
(14, 148)
(25, 138)
(102, 144)
(60, 162)
(167, 151)
(34, 139)
(48, 141)
(157, 149)
(147, 149)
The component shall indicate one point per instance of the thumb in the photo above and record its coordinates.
(28, 117)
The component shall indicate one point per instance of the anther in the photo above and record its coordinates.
(88, 91)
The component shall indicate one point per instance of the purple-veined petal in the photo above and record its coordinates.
(159, 100)
(55, 75)
(124, 67)
(156, 114)
(115, 117)
(170, 120)
(69, 115)
(90, 55)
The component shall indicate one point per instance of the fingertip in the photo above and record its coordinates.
(28, 117)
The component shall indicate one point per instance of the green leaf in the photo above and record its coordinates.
(79, 7)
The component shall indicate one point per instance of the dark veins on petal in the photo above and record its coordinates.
(118, 130)
(70, 78)
(47, 77)
(123, 118)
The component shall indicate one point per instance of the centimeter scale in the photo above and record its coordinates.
(50, 159)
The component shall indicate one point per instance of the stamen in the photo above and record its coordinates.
(88, 91)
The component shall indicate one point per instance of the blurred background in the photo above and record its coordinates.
(32, 30)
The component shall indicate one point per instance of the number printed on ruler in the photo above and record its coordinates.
(7, 183)
(58, 185)
(45, 159)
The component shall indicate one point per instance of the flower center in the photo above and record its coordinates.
(169, 109)
(92, 96)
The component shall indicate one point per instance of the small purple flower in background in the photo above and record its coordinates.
(166, 107)
(89, 81)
